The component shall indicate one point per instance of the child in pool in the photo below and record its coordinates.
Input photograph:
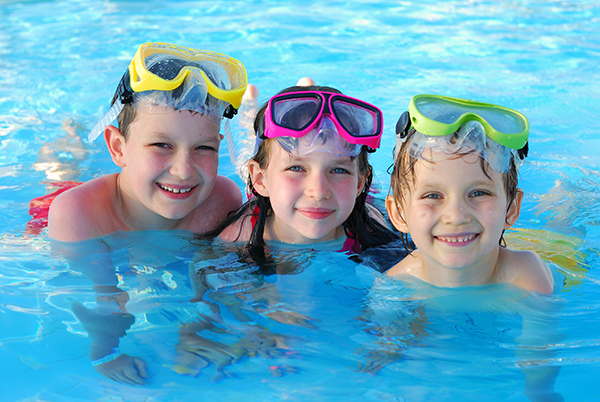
(454, 188)
(310, 175)
(170, 103)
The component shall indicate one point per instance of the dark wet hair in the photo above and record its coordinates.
(360, 225)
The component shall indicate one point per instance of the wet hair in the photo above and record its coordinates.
(403, 178)
(360, 225)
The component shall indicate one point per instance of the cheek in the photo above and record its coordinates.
(209, 164)
(421, 212)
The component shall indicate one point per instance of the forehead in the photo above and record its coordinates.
(319, 156)
(456, 170)
(171, 121)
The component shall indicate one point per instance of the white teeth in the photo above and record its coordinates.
(457, 239)
(175, 190)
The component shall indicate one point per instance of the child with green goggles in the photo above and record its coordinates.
(454, 191)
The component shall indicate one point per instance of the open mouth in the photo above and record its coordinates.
(457, 239)
(175, 190)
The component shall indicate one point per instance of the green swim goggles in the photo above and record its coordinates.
(442, 115)
(496, 133)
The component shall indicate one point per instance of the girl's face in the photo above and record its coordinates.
(311, 195)
(455, 214)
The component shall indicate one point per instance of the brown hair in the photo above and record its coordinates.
(126, 118)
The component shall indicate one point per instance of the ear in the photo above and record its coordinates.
(514, 210)
(116, 145)
(257, 177)
(362, 179)
(393, 211)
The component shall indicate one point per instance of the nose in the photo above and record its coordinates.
(318, 187)
(182, 166)
(456, 212)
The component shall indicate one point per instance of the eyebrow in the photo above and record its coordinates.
(436, 183)
(159, 135)
(343, 160)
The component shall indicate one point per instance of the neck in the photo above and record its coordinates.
(274, 232)
(479, 273)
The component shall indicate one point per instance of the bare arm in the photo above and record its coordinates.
(108, 322)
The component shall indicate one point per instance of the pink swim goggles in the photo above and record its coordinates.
(297, 114)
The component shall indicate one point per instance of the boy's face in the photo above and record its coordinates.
(170, 161)
(454, 213)
(311, 195)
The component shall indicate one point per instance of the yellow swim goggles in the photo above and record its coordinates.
(225, 77)
(177, 77)
(436, 115)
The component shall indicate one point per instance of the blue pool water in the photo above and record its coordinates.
(325, 327)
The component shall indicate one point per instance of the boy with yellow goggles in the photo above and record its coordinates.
(169, 105)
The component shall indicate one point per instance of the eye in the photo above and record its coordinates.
(295, 168)
(431, 196)
(479, 193)
(206, 148)
(340, 170)
(160, 145)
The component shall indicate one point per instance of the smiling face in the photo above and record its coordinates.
(311, 195)
(169, 166)
(455, 213)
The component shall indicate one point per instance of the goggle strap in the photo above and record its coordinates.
(230, 111)
(523, 151)
(403, 125)
(230, 143)
(106, 120)
(124, 91)
(259, 140)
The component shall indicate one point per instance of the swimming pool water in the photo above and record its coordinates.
(324, 327)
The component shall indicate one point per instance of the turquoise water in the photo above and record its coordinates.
(325, 327)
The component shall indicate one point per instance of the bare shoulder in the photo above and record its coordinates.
(228, 193)
(82, 212)
(238, 231)
(224, 198)
(525, 269)
(409, 265)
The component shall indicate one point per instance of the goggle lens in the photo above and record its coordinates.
(449, 112)
(299, 112)
(296, 113)
(360, 121)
